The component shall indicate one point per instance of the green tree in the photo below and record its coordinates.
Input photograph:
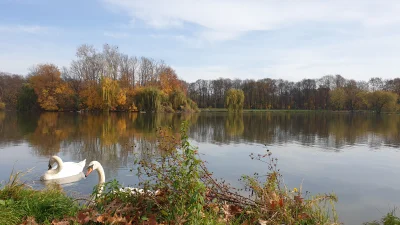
(178, 99)
(149, 99)
(27, 98)
(234, 99)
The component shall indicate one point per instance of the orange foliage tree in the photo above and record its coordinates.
(168, 81)
(51, 90)
(91, 96)
(104, 96)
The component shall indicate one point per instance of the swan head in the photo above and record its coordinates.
(52, 160)
(93, 165)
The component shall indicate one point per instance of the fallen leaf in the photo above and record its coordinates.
(30, 221)
(83, 217)
(101, 219)
(64, 222)
(262, 222)
(152, 219)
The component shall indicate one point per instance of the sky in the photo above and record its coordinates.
(208, 39)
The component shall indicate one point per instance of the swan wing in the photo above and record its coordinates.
(69, 169)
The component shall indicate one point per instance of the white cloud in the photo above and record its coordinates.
(228, 19)
(190, 42)
(32, 29)
(116, 35)
(358, 59)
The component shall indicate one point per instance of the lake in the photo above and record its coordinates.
(355, 156)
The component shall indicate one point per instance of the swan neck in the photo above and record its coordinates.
(60, 163)
(102, 178)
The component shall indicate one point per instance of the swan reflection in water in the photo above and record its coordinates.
(66, 181)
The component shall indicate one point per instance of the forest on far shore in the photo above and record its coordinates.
(112, 81)
(326, 93)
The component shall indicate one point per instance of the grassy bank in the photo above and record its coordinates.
(19, 202)
(183, 191)
(262, 110)
(296, 110)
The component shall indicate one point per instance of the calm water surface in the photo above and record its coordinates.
(355, 156)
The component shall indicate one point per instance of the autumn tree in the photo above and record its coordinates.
(10, 84)
(234, 100)
(338, 98)
(351, 91)
(168, 81)
(112, 95)
(382, 100)
(49, 87)
(91, 96)
(361, 102)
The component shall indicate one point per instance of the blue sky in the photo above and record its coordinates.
(207, 39)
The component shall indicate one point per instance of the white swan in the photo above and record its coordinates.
(94, 165)
(63, 170)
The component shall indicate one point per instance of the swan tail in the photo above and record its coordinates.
(82, 163)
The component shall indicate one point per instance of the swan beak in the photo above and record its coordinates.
(49, 167)
(89, 170)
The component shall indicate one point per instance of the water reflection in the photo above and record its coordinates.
(329, 130)
(111, 136)
(64, 181)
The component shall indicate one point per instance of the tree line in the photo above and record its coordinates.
(111, 80)
(326, 93)
(97, 80)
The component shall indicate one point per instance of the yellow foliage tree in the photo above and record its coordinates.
(338, 98)
(121, 98)
(112, 95)
(234, 100)
(382, 100)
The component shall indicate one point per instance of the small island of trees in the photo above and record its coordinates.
(107, 80)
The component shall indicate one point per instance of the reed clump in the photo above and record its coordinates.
(19, 202)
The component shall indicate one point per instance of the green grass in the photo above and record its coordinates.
(18, 201)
